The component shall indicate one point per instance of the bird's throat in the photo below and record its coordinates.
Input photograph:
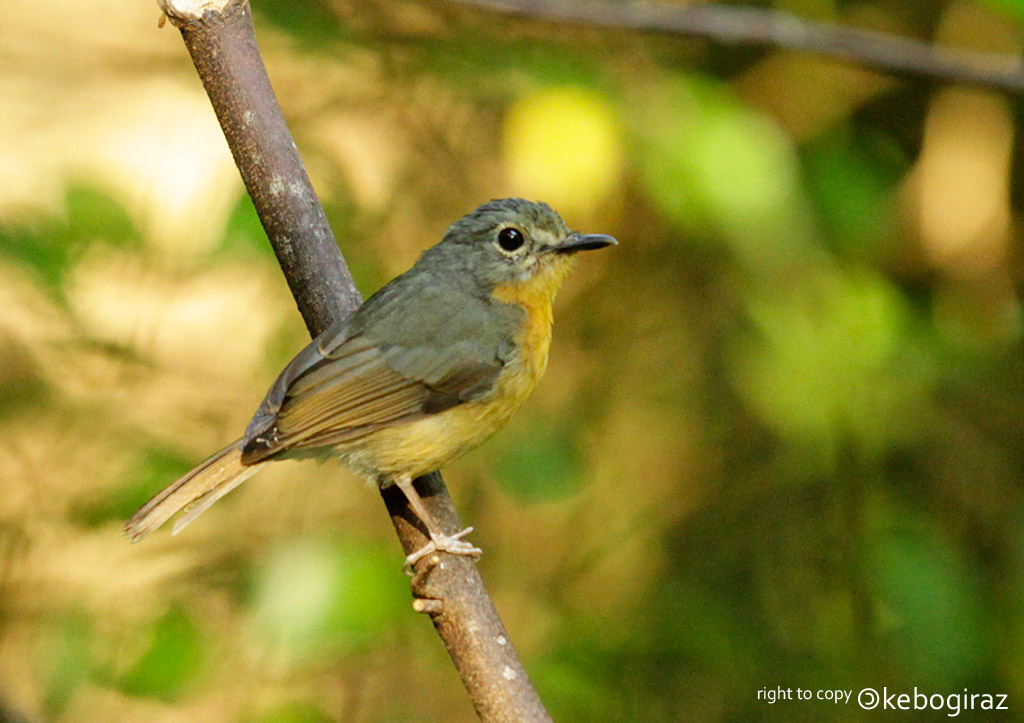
(535, 297)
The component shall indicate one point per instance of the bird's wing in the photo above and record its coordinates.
(342, 387)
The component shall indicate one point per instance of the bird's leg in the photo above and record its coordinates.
(439, 541)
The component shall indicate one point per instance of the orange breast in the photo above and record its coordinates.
(535, 296)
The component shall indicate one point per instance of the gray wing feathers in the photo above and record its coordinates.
(343, 387)
(448, 369)
(306, 360)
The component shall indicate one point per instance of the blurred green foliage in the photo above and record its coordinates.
(932, 613)
(65, 663)
(313, 23)
(293, 713)
(50, 244)
(851, 182)
(150, 469)
(172, 661)
(313, 598)
(778, 443)
(1012, 7)
(752, 201)
(539, 463)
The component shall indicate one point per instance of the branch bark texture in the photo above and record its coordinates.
(757, 26)
(223, 48)
(220, 38)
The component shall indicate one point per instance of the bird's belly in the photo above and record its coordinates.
(426, 444)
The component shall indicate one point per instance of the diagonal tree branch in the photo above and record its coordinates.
(756, 26)
(229, 64)
(220, 38)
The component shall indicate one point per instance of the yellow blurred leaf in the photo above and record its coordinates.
(563, 145)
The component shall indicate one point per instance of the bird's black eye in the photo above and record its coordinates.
(510, 239)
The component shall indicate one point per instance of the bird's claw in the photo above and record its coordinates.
(452, 544)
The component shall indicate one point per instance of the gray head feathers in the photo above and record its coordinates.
(487, 217)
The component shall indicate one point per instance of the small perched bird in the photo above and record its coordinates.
(425, 370)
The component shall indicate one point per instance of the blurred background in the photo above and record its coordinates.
(778, 444)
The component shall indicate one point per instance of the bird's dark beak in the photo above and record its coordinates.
(584, 242)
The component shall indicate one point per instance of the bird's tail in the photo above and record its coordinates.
(193, 493)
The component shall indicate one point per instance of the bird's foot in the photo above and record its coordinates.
(452, 544)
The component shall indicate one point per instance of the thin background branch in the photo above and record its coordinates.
(756, 26)
(221, 40)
